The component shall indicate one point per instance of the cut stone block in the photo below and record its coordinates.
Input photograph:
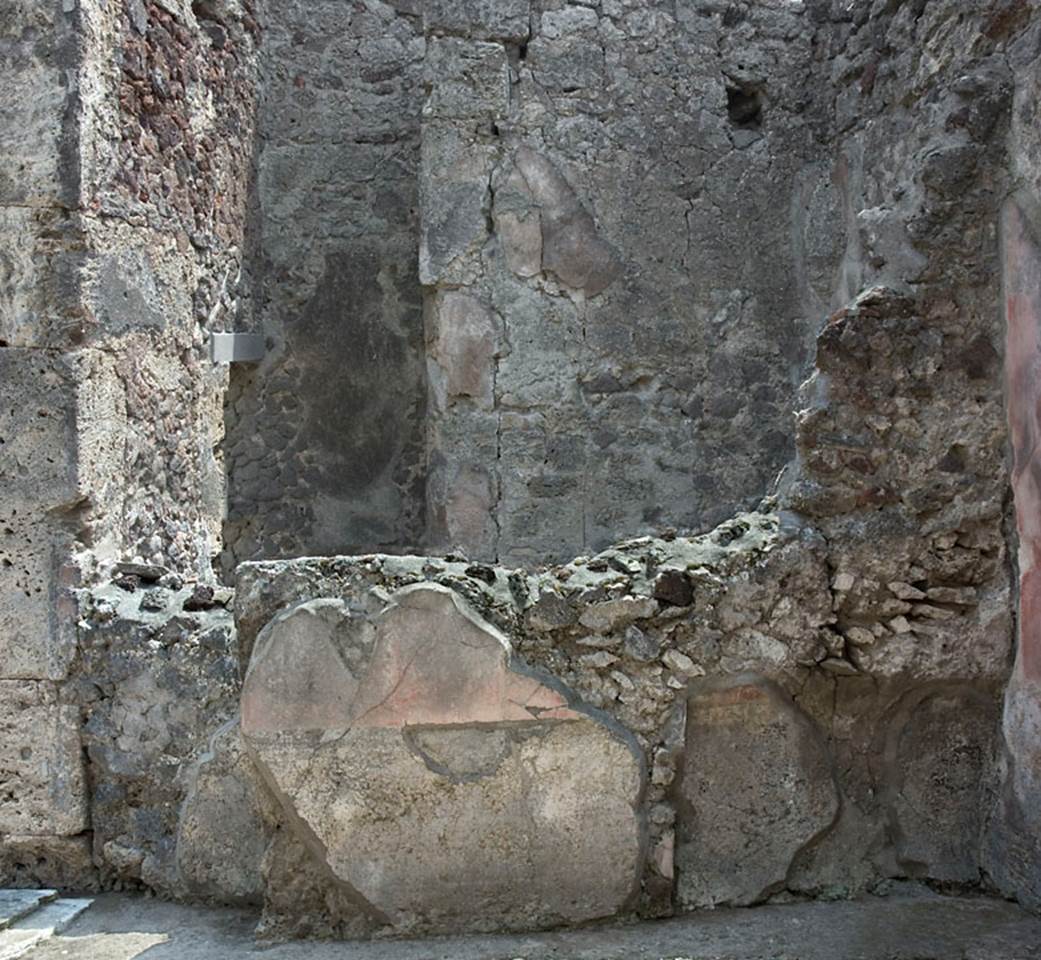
(480, 19)
(15, 904)
(37, 616)
(40, 925)
(37, 474)
(467, 81)
(60, 452)
(572, 248)
(37, 424)
(454, 190)
(39, 861)
(444, 786)
(461, 363)
(518, 223)
(939, 751)
(42, 789)
(756, 787)
(38, 276)
(61, 420)
(39, 57)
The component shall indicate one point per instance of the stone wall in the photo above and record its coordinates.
(535, 277)
(785, 743)
(948, 137)
(126, 133)
(325, 436)
(854, 647)
(156, 676)
(631, 231)
(166, 140)
(42, 466)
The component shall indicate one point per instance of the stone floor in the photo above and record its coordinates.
(909, 926)
(31, 917)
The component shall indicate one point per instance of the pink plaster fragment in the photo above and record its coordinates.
(1022, 281)
(297, 679)
(433, 664)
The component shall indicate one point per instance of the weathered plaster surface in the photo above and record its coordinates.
(1014, 854)
(325, 435)
(470, 780)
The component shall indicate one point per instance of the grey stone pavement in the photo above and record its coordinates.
(919, 927)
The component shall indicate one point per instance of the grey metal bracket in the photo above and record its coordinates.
(237, 347)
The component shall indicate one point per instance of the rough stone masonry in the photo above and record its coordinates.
(634, 509)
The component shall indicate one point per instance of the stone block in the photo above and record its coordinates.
(44, 791)
(479, 19)
(38, 428)
(940, 747)
(60, 453)
(569, 62)
(463, 343)
(39, 278)
(544, 494)
(62, 862)
(454, 194)
(445, 786)
(572, 247)
(756, 787)
(20, 278)
(226, 823)
(539, 371)
(37, 609)
(469, 82)
(61, 421)
(518, 224)
(39, 59)
(126, 291)
(461, 508)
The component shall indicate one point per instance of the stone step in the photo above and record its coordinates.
(15, 904)
(31, 929)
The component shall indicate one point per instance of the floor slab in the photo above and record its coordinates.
(39, 926)
(17, 903)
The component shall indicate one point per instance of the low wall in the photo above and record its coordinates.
(672, 723)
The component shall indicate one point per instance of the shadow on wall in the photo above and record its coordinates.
(324, 438)
(326, 455)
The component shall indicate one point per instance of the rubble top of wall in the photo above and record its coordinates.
(662, 571)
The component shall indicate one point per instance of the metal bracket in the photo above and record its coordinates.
(237, 347)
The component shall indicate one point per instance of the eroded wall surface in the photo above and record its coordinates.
(630, 235)
(325, 436)
(804, 730)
